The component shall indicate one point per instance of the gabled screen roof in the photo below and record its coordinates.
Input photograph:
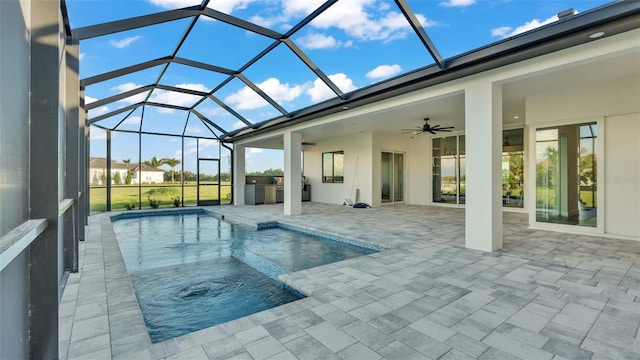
(235, 65)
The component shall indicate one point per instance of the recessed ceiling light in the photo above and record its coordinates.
(516, 117)
(596, 35)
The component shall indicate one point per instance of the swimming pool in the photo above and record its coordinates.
(191, 270)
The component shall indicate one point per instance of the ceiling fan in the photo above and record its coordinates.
(427, 128)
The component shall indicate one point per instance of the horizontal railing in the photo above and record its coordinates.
(17, 240)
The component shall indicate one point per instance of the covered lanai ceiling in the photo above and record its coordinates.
(224, 69)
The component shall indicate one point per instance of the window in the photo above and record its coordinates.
(333, 167)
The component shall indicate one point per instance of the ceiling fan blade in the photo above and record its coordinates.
(443, 130)
(432, 131)
(446, 128)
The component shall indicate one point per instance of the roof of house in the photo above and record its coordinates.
(101, 163)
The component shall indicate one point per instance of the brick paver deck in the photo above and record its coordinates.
(546, 295)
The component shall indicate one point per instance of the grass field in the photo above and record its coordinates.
(122, 195)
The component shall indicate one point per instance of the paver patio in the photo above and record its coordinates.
(546, 295)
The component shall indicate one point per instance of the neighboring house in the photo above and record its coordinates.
(98, 171)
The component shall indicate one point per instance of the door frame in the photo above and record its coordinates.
(205, 202)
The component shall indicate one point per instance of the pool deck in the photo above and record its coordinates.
(546, 295)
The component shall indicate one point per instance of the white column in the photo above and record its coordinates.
(292, 173)
(483, 129)
(238, 174)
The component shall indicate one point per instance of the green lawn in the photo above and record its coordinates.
(588, 198)
(163, 193)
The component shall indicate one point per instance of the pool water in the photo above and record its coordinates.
(192, 271)
(180, 299)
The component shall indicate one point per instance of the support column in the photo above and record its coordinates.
(83, 177)
(483, 128)
(292, 173)
(238, 174)
(43, 183)
(72, 148)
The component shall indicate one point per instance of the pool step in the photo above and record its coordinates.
(259, 263)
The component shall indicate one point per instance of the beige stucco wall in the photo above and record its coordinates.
(356, 148)
(614, 105)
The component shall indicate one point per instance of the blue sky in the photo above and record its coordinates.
(356, 43)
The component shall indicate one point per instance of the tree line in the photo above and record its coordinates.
(190, 176)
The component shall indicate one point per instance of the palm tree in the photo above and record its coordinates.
(173, 162)
(153, 162)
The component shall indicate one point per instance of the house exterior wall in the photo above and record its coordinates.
(152, 177)
(604, 99)
(419, 178)
(614, 104)
(148, 177)
(622, 178)
(357, 148)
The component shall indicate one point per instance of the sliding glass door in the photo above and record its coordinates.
(392, 177)
(513, 168)
(449, 163)
(566, 176)
(448, 170)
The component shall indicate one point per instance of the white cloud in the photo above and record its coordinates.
(174, 4)
(506, 31)
(247, 99)
(130, 86)
(126, 42)
(194, 130)
(384, 71)
(501, 31)
(177, 98)
(297, 7)
(237, 125)
(97, 133)
(125, 87)
(212, 112)
(82, 56)
(280, 92)
(207, 143)
(457, 3)
(320, 91)
(356, 18)
(191, 146)
(343, 82)
(226, 6)
(196, 87)
(97, 111)
(132, 120)
(318, 41)
(253, 151)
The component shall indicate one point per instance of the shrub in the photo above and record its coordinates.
(159, 191)
(131, 206)
(176, 201)
(154, 203)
